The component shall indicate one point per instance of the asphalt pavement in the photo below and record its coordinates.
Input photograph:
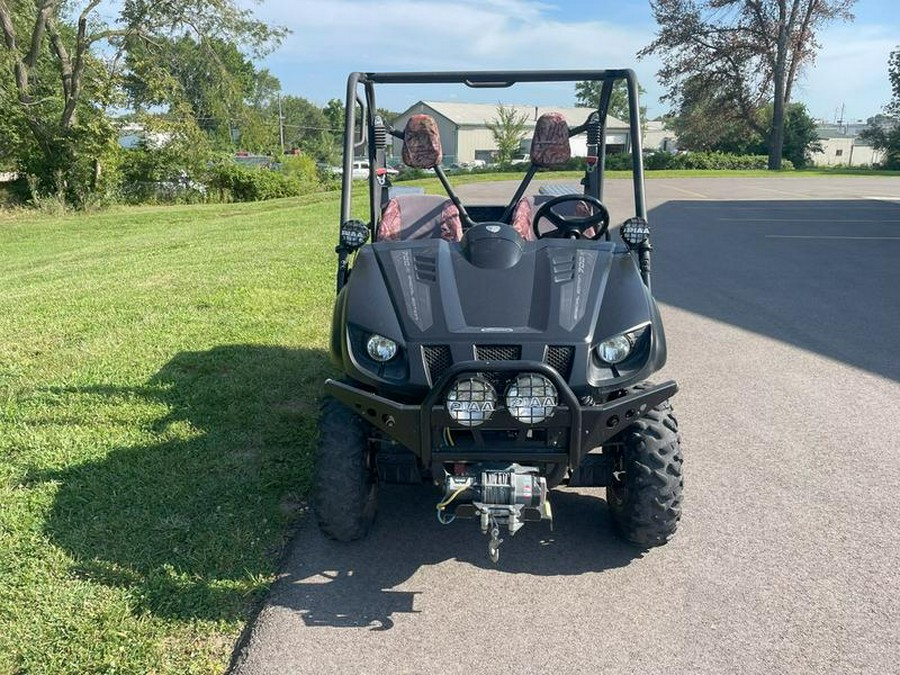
(781, 303)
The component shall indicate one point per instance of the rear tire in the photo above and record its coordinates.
(345, 485)
(645, 495)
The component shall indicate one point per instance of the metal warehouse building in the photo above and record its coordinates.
(465, 135)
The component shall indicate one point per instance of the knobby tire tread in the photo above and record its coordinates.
(648, 510)
(345, 489)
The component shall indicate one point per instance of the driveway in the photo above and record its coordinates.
(781, 301)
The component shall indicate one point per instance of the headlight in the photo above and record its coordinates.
(380, 348)
(619, 347)
(471, 401)
(531, 398)
(615, 349)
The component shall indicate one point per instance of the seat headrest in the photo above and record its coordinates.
(550, 145)
(421, 142)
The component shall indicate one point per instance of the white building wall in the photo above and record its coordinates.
(842, 151)
(865, 155)
(472, 139)
(657, 137)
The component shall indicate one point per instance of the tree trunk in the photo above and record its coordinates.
(776, 136)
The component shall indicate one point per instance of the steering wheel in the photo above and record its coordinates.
(572, 227)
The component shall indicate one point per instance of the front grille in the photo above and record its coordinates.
(498, 352)
(437, 360)
(560, 359)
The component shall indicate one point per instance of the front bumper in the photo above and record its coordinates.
(421, 427)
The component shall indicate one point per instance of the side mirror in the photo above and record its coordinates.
(635, 232)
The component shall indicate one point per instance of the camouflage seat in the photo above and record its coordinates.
(420, 216)
(549, 148)
(550, 145)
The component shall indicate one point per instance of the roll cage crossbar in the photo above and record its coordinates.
(356, 139)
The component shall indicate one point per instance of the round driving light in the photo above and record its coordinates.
(471, 401)
(531, 398)
(614, 350)
(380, 348)
(354, 234)
(635, 231)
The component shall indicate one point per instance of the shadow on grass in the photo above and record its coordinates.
(193, 526)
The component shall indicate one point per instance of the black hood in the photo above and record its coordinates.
(427, 293)
(555, 290)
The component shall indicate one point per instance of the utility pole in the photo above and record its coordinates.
(280, 124)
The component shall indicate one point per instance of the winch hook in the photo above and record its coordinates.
(494, 543)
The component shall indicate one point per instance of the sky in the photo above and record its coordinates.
(331, 38)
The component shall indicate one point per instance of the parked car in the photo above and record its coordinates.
(361, 170)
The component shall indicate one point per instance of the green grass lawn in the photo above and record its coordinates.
(159, 370)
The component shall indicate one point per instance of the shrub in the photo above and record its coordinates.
(721, 160)
(304, 169)
(154, 175)
(408, 173)
(660, 160)
(620, 161)
(249, 184)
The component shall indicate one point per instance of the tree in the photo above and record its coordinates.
(257, 124)
(508, 129)
(707, 122)
(334, 113)
(893, 108)
(587, 94)
(64, 73)
(883, 131)
(307, 128)
(749, 51)
(216, 82)
(800, 136)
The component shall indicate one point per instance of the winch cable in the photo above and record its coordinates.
(443, 505)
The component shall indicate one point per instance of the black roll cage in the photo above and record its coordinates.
(482, 80)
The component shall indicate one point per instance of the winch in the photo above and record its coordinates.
(498, 495)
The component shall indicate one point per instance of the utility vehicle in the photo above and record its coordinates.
(499, 350)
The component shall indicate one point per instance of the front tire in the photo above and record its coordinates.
(646, 492)
(345, 485)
